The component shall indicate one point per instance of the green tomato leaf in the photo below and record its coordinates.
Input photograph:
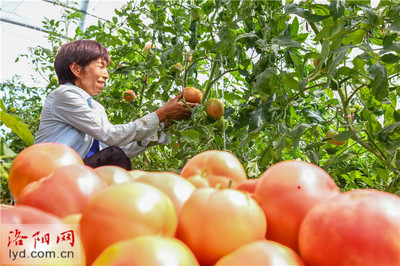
(395, 26)
(2, 106)
(5, 150)
(337, 8)
(355, 37)
(390, 58)
(379, 81)
(294, 9)
(294, 28)
(297, 132)
(286, 41)
(263, 80)
(256, 119)
(384, 132)
(326, 32)
(190, 135)
(344, 135)
(21, 129)
(290, 82)
(371, 16)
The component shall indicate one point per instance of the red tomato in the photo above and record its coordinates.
(248, 185)
(176, 187)
(287, 191)
(147, 250)
(261, 252)
(38, 161)
(26, 219)
(360, 227)
(214, 222)
(124, 211)
(214, 167)
(64, 192)
(113, 174)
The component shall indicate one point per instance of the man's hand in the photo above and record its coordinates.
(175, 109)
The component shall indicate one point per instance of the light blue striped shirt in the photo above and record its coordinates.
(71, 116)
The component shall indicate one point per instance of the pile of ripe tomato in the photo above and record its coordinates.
(209, 214)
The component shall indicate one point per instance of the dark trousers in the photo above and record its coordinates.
(109, 156)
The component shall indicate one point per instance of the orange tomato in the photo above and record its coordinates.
(215, 108)
(64, 192)
(192, 94)
(129, 95)
(147, 250)
(261, 252)
(38, 161)
(175, 186)
(286, 192)
(124, 211)
(113, 174)
(212, 168)
(214, 222)
(359, 227)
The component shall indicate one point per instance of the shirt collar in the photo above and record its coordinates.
(81, 92)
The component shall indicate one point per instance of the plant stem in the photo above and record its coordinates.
(212, 73)
(349, 120)
(353, 93)
(188, 68)
(221, 75)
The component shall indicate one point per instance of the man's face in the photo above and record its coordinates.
(93, 77)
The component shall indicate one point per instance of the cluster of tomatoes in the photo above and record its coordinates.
(214, 106)
(209, 214)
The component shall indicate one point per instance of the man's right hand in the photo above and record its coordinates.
(175, 109)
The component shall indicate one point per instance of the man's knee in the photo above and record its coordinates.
(119, 158)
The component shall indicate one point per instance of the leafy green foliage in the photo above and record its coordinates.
(258, 56)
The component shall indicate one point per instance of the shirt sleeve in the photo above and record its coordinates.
(72, 108)
(135, 148)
